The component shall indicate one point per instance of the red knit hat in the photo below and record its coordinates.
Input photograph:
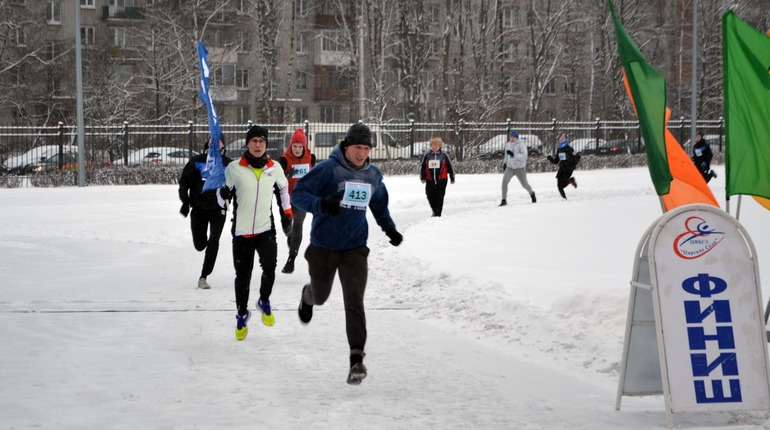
(298, 137)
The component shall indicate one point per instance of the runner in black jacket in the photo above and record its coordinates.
(206, 215)
(567, 161)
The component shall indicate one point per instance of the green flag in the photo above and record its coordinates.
(648, 94)
(747, 108)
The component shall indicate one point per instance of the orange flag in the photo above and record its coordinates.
(687, 185)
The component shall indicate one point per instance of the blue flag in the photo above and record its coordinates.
(214, 171)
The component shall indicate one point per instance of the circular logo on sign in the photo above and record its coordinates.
(697, 240)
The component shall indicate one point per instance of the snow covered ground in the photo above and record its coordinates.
(486, 318)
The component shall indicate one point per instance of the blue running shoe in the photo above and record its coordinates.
(267, 316)
(241, 330)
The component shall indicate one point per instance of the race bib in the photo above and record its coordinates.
(698, 152)
(434, 164)
(562, 156)
(300, 170)
(357, 195)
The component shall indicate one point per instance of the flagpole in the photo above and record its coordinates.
(694, 74)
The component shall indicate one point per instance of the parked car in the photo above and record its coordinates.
(69, 162)
(587, 145)
(494, 147)
(234, 150)
(18, 164)
(156, 155)
(324, 137)
(622, 146)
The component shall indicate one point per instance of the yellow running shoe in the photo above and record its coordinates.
(267, 316)
(241, 330)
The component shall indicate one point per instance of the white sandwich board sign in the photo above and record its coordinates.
(695, 330)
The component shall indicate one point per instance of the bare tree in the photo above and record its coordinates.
(546, 20)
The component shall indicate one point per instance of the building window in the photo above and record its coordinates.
(300, 43)
(121, 3)
(332, 7)
(510, 51)
(337, 79)
(53, 12)
(333, 41)
(243, 41)
(19, 36)
(216, 39)
(509, 17)
(300, 114)
(301, 7)
(550, 87)
(433, 48)
(242, 78)
(17, 2)
(569, 85)
(225, 75)
(244, 114)
(52, 50)
(17, 77)
(55, 86)
(331, 114)
(301, 81)
(119, 36)
(87, 35)
(87, 3)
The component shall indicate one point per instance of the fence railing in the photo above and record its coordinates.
(107, 144)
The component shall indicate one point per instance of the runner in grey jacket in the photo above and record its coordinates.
(515, 164)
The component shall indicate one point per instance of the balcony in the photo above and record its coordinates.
(332, 58)
(122, 12)
(331, 94)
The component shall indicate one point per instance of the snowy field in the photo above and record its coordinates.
(486, 318)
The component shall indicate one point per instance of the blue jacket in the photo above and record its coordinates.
(356, 188)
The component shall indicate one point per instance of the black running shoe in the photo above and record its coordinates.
(305, 310)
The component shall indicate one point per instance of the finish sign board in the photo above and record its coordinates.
(697, 268)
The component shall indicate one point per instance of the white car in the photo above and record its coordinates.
(496, 145)
(156, 156)
(18, 163)
(588, 145)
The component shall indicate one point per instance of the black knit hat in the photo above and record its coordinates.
(256, 131)
(208, 141)
(358, 134)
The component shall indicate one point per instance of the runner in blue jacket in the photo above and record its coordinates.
(337, 192)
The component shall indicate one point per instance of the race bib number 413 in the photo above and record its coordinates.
(357, 195)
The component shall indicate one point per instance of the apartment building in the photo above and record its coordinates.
(324, 60)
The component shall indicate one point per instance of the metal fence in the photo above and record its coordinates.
(114, 144)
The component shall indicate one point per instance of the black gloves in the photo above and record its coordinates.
(185, 209)
(286, 224)
(395, 237)
(502, 168)
(330, 205)
(509, 152)
(225, 193)
(550, 158)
